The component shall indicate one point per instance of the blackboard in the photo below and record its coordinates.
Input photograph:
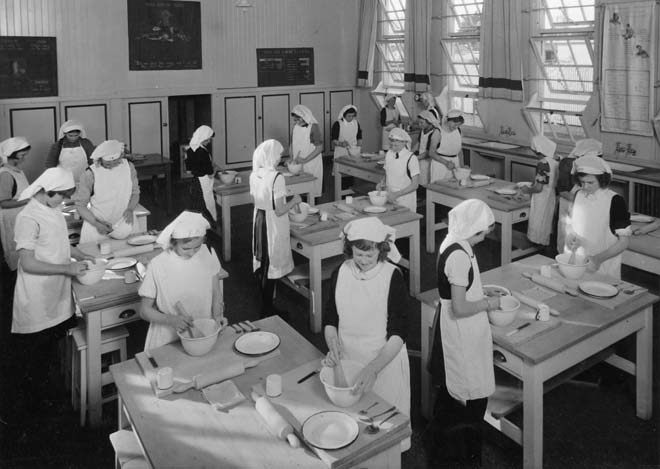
(28, 67)
(285, 66)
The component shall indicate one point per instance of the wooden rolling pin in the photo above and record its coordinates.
(275, 422)
(217, 376)
(132, 251)
(550, 283)
(526, 300)
(479, 183)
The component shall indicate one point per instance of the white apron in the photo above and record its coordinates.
(8, 218)
(362, 311)
(277, 228)
(563, 213)
(590, 219)
(42, 301)
(112, 192)
(467, 345)
(396, 175)
(348, 133)
(302, 146)
(542, 210)
(389, 115)
(450, 145)
(206, 182)
(74, 159)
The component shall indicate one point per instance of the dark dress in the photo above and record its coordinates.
(199, 163)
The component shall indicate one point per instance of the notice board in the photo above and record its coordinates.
(285, 66)
(28, 67)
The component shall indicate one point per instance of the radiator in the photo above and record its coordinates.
(647, 200)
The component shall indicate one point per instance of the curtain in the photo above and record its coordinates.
(367, 45)
(417, 56)
(500, 62)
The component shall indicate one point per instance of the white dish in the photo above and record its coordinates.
(330, 430)
(374, 209)
(257, 343)
(141, 240)
(313, 210)
(641, 218)
(479, 177)
(380, 163)
(598, 289)
(498, 289)
(505, 191)
(524, 184)
(121, 263)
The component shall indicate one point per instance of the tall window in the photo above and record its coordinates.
(390, 42)
(563, 46)
(460, 43)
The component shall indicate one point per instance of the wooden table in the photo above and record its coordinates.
(152, 167)
(644, 252)
(230, 195)
(356, 167)
(74, 222)
(182, 430)
(584, 336)
(507, 212)
(326, 243)
(104, 305)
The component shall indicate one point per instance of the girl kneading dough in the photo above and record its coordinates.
(186, 272)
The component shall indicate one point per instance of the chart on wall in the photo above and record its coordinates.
(628, 71)
(285, 66)
(28, 67)
(164, 35)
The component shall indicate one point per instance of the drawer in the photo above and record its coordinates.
(507, 361)
(120, 314)
(520, 214)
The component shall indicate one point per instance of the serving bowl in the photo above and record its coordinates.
(509, 306)
(227, 176)
(354, 151)
(121, 229)
(378, 198)
(341, 396)
(199, 346)
(294, 168)
(299, 213)
(572, 271)
(94, 272)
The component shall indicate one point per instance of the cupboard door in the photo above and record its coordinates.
(275, 120)
(240, 129)
(147, 120)
(93, 116)
(338, 99)
(315, 101)
(39, 126)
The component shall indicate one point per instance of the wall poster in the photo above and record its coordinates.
(164, 35)
(285, 66)
(28, 67)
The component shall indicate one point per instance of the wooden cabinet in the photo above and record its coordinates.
(145, 126)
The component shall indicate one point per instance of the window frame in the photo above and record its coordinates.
(387, 69)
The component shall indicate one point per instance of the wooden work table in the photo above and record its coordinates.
(644, 252)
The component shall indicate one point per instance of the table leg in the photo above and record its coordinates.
(430, 223)
(644, 366)
(337, 185)
(507, 239)
(532, 418)
(94, 404)
(415, 262)
(226, 227)
(315, 293)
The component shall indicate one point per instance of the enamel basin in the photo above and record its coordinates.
(626, 168)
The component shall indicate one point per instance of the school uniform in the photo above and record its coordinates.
(400, 168)
(75, 156)
(17, 182)
(388, 114)
(450, 146)
(202, 198)
(344, 131)
(542, 209)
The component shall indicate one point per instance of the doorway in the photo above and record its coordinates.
(186, 114)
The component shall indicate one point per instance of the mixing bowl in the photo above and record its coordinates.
(121, 229)
(341, 397)
(354, 151)
(227, 176)
(201, 345)
(504, 316)
(299, 214)
(294, 168)
(94, 273)
(572, 271)
(378, 197)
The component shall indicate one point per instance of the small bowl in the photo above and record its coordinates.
(378, 198)
(462, 174)
(299, 215)
(354, 151)
(504, 316)
(572, 271)
(294, 168)
(341, 397)
(94, 273)
(227, 177)
(201, 345)
(121, 229)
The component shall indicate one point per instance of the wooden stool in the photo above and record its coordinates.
(112, 340)
(128, 454)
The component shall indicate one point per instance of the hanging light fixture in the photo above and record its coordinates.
(243, 5)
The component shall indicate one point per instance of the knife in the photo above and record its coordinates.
(152, 360)
(307, 376)
(518, 329)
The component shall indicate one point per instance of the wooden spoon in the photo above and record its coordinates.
(571, 259)
(193, 332)
(340, 376)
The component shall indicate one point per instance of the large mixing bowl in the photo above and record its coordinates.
(201, 345)
(572, 271)
(504, 316)
(341, 397)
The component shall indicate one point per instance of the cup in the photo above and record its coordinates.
(349, 199)
(165, 378)
(105, 248)
(130, 276)
(543, 312)
(273, 385)
(546, 271)
(324, 216)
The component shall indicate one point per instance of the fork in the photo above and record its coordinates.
(249, 325)
(371, 419)
(236, 328)
(393, 414)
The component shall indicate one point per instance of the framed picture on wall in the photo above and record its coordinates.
(164, 35)
(28, 67)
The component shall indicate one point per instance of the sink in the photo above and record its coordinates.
(499, 145)
(625, 168)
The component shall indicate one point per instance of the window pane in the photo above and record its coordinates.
(568, 13)
(390, 42)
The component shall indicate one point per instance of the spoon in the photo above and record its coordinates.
(364, 411)
(631, 290)
(371, 419)
(372, 428)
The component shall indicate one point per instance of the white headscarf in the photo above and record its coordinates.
(453, 114)
(429, 117)
(53, 179)
(12, 145)
(591, 164)
(203, 132)
(304, 113)
(109, 150)
(389, 96)
(399, 134)
(544, 145)
(186, 225)
(340, 116)
(266, 156)
(586, 146)
(70, 126)
(372, 229)
(468, 218)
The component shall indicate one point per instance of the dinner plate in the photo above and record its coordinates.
(257, 343)
(312, 210)
(374, 209)
(380, 163)
(330, 430)
(479, 177)
(121, 263)
(141, 240)
(505, 191)
(524, 184)
(641, 218)
(598, 289)
(498, 288)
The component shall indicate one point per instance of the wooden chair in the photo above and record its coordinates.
(128, 453)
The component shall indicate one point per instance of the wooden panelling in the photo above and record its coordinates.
(145, 127)
(93, 116)
(240, 128)
(275, 121)
(39, 126)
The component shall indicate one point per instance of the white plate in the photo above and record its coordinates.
(641, 218)
(141, 240)
(524, 184)
(505, 191)
(330, 430)
(313, 210)
(498, 288)
(257, 343)
(121, 263)
(380, 163)
(598, 289)
(374, 209)
(479, 177)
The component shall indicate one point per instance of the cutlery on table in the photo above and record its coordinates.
(152, 360)
(307, 376)
(236, 328)
(375, 428)
(252, 326)
(364, 411)
(244, 327)
(371, 419)
(633, 289)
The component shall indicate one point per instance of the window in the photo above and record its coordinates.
(563, 48)
(460, 44)
(390, 42)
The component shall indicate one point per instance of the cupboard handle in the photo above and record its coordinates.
(259, 117)
(523, 214)
(127, 314)
(499, 356)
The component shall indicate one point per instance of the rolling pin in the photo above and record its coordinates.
(132, 251)
(217, 376)
(479, 183)
(275, 422)
(550, 283)
(526, 300)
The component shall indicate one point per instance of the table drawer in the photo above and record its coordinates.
(521, 214)
(507, 361)
(120, 314)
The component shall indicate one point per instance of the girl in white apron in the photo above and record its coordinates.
(447, 156)
(428, 101)
(186, 272)
(542, 210)
(72, 149)
(429, 139)
(200, 163)
(306, 146)
(271, 246)
(461, 360)
(366, 317)
(12, 183)
(346, 131)
(389, 119)
(600, 221)
(401, 171)
(107, 193)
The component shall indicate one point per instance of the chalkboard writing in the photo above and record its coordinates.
(285, 66)
(28, 67)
